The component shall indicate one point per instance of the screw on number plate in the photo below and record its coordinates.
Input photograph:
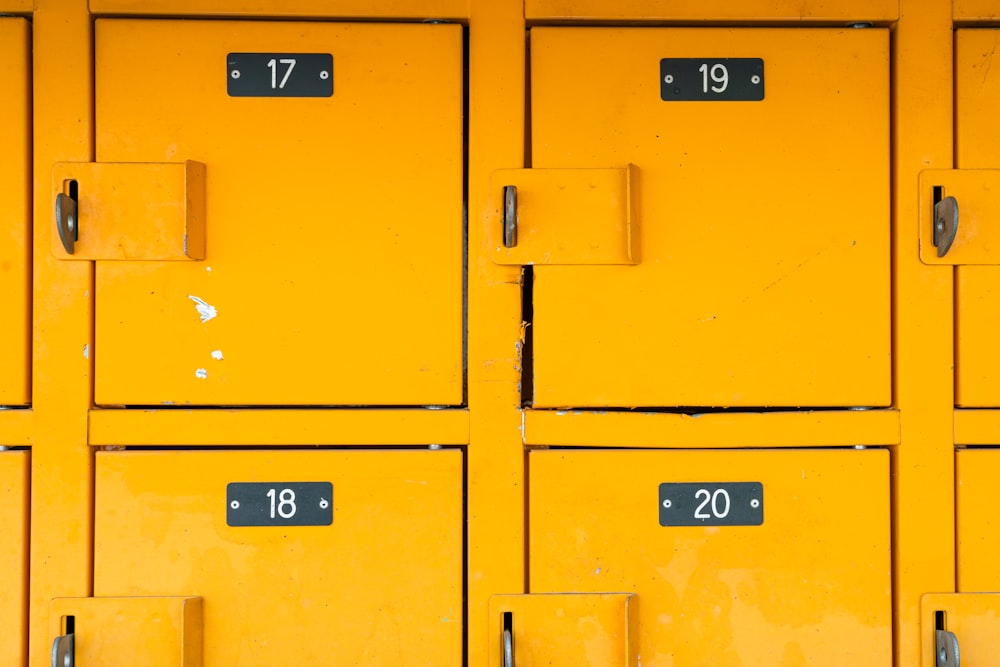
(667, 503)
(755, 503)
(235, 504)
(323, 503)
(235, 74)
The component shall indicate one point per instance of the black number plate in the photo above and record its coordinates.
(712, 504)
(279, 504)
(711, 79)
(279, 74)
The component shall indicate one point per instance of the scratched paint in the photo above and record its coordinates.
(217, 355)
(86, 351)
(206, 311)
(201, 374)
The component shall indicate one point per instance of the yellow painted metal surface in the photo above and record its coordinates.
(923, 473)
(977, 192)
(135, 211)
(755, 288)
(278, 428)
(977, 524)
(715, 10)
(975, 620)
(61, 462)
(599, 629)
(333, 267)
(823, 428)
(977, 139)
(496, 460)
(496, 430)
(14, 494)
(975, 10)
(381, 585)
(115, 632)
(386, 9)
(977, 427)
(810, 586)
(15, 190)
(568, 216)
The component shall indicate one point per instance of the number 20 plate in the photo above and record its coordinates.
(712, 504)
(279, 504)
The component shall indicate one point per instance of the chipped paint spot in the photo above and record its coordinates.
(208, 268)
(217, 355)
(597, 571)
(205, 311)
(86, 351)
(201, 374)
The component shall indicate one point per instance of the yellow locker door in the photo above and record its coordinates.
(737, 557)
(332, 269)
(14, 504)
(321, 557)
(977, 137)
(760, 195)
(973, 613)
(978, 526)
(15, 195)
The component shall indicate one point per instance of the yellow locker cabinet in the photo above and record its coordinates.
(330, 159)
(977, 139)
(14, 503)
(15, 195)
(378, 581)
(766, 557)
(759, 163)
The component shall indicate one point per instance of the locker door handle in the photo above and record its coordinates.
(945, 224)
(508, 639)
(62, 651)
(509, 216)
(66, 221)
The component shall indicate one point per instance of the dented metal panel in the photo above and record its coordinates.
(764, 277)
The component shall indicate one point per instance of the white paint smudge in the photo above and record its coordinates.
(86, 351)
(201, 374)
(217, 355)
(205, 311)
(208, 268)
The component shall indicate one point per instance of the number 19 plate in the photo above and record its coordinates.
(279, 504)
(711, 79)
(712, 504)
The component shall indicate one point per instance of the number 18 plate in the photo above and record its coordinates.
(279, 504)
(712, 504)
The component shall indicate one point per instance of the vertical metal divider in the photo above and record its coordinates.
(923, 493)
(496, 453)
(62, 463)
